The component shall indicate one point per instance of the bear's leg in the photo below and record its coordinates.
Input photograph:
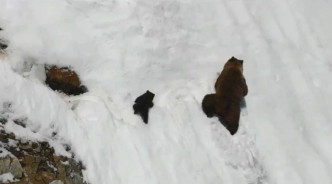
(231, 118)
(209, 105)
(145, 115)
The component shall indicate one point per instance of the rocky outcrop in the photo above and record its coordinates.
(35, 162)
(3, 46)
(65, 80)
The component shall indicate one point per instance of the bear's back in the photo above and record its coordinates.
(229, 84)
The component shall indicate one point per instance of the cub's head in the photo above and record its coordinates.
(234, 63)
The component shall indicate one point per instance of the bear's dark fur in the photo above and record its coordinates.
(230, 89)
(142, 105)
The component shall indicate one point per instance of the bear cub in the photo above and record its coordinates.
(231, 88)
(142, 105)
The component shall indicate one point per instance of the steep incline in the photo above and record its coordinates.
(121, 48)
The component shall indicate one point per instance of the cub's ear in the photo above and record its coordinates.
(241, 61)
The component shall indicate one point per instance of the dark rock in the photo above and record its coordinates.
(20, 122)
(65, 80)
(34, 145)
(11, 136)
(67, 147)
(3, 45)
(142, 105)
(3, 120)
(3, 138)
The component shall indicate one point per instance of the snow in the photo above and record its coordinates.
(7, 178)
(121, 48)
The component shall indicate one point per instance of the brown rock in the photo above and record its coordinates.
(31, 164)
(65, 80)
(11, 136)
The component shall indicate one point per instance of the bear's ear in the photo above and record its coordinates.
(241, 61)
(232, 59)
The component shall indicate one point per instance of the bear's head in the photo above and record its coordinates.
(234, 63)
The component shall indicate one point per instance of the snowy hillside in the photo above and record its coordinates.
(175, 48)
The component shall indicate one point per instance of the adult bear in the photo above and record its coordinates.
(230, 89)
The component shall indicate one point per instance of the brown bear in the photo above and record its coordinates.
(230, 89)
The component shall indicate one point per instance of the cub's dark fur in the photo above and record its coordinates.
(142, 105)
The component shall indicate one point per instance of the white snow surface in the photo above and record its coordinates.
(7, 178)
(175, 48)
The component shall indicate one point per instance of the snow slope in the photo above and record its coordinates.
(175, 49)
